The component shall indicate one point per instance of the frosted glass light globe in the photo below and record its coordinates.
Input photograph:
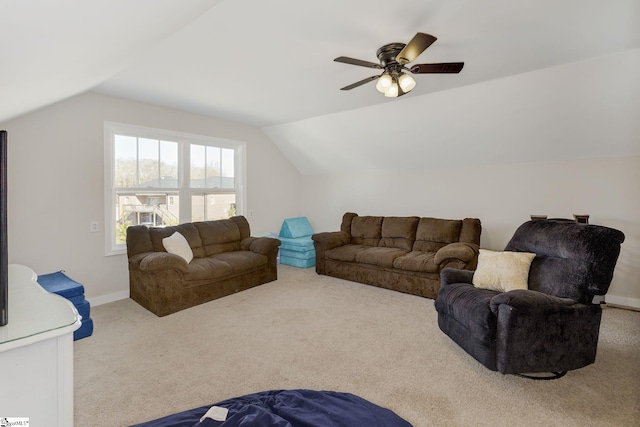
(384, 83)
(406, 83)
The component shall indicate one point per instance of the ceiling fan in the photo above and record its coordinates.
(394, 57)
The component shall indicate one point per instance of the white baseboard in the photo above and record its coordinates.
(104, 299)
(623, 301)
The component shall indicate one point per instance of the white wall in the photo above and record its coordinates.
(56, 174)
(56, 190)
(502, 196)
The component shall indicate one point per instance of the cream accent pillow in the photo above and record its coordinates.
(503, 271)
(178, 245)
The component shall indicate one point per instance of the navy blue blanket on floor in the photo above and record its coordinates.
(289, 408)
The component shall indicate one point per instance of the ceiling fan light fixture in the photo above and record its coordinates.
(384, 83)
(393, 61)
(406, 82)
(392, 92)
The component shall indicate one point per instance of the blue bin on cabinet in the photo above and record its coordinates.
(60, 284)
(297, 248)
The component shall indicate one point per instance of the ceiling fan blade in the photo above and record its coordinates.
(445, 67)
(360, 83)
(359, 62)
(415, 47)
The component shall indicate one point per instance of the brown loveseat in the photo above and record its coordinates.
(225, 260)
(405, 254)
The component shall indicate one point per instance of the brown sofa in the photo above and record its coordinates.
(405, 254)
(225, 260)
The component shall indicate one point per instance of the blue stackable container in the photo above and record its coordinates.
(60, 284)
(297, 246)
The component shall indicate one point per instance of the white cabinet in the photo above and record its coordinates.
(36, 353)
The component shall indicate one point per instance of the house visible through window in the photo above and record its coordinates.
(160, 178)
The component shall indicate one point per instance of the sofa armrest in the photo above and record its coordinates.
(331, 239)
(261, 245)
(327, 240)
(455, 275)
(156, 261)
(462, 252)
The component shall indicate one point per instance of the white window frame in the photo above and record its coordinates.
(184, 191)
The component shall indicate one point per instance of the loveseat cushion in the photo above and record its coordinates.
(242, 260)
(219, 236)
(366, 230)
(471, 307)
(399, 232)
(189, 231)
(434, 233)
(207, 269)
(422, 262)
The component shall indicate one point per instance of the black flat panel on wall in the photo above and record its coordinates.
(4, 254)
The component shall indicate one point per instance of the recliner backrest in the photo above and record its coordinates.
(572, 260)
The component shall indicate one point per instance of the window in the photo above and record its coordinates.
(160, 178)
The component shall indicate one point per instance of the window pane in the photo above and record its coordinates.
(198, 162)
(228, 163)
(125, 161)
(209, 207)
(148, 163)
(169, 164)
(152, 209)
(213, 167)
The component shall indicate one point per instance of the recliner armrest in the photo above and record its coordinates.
(537, 332)
(462, 251)
(156, 261)
(529, 300)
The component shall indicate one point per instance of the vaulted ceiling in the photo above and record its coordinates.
(534, 69)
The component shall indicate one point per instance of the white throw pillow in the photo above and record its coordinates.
(503, 271)
(178, 245)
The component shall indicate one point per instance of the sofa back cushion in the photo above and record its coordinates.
(219, 236)
(434, 233)
(399, 232)
(189, 231)
(347, 220)
(243, 226)
(138, 240)
(366, 230)
(471, 230)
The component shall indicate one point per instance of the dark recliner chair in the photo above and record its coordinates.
(551, 327)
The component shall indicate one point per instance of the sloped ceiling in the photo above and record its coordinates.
(534, 70)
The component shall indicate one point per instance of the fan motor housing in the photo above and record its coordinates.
(387, 53)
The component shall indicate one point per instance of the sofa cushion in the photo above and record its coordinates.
(366, 230)
(382, 257)
(207, 269)
(346, 253)
(422, 262)
(219, 236)
(241, 261)
(434, 233)
(189, 231)
(399, 232)
(470, 307)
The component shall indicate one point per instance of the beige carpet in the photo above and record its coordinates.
(316, 332)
